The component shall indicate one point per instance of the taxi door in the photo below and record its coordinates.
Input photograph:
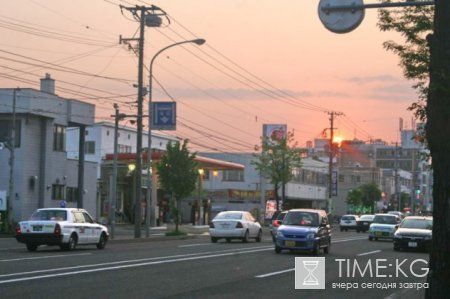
(93, 228)
(81, 227)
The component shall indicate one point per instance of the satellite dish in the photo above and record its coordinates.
(343, 20)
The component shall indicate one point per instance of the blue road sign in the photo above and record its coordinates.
(164, 116)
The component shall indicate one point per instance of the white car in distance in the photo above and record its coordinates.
(235, 225)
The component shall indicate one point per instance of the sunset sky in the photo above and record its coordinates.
(264, 62)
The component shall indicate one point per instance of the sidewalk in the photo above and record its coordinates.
(125, 232)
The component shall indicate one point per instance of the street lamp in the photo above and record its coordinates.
(151, 204)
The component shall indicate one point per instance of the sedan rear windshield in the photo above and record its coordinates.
(49, 215)
(229, 216)
(348, 218)
(301, 219)
(385, 219)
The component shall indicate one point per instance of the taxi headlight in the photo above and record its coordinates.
(398, 236)
(280, 233)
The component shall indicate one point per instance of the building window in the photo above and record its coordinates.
(59, 138)
(57, 192)
(129, 136)
(89, 147)
(71, 194)
(6, 129)
(341, 178)
(233, 176)
(122, 148)
(107, 132)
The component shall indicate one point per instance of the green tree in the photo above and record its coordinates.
(177, 173)
(354, 197)
(414, 24)
(277, 161)
(437, 133)
(370, 194)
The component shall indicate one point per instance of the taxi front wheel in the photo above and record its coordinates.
(102, 242)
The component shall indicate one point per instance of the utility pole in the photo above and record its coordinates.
(12, 146)
(332, 114)
(397, 197)
(113, 179)
(141, 14)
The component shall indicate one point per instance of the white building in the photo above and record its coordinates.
(100, 141)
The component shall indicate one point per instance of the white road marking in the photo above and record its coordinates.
(347, 239)
(332, 241)
(42, 257)
(193, 245)
(274, 273)
(111, 268)
(367, 253)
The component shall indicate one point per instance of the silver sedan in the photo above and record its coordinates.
(235, 225)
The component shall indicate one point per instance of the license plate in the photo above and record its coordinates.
(347, 221)
(289, 243)
(37, 228)
(412, 244)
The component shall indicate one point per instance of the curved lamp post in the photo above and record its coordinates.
(151, 210)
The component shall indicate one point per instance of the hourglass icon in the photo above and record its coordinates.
(310, 279)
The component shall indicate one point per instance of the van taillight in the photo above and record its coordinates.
(18, 230)
(57, 229)
(239, 225)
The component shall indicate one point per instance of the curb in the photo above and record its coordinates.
(152, 239)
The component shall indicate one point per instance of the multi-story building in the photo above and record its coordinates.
(100, 141)
(42, 175)
(400, 169)
(247, 190)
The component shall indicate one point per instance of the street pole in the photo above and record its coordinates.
(113, 195)
(150, 19)
(12, 146)
(330, 162)
(151, 203)
(397, 197)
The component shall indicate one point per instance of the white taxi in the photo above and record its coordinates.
(65, 227)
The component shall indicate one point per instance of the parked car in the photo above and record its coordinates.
(304, 229)
(277, 220)
(230, 225)
(364, 223)
(348, 222)
(383, 226)
(65, 227)
(414, 233)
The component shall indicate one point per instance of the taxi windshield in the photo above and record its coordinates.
(49, 215)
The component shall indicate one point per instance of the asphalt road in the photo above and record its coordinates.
(196, 268)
